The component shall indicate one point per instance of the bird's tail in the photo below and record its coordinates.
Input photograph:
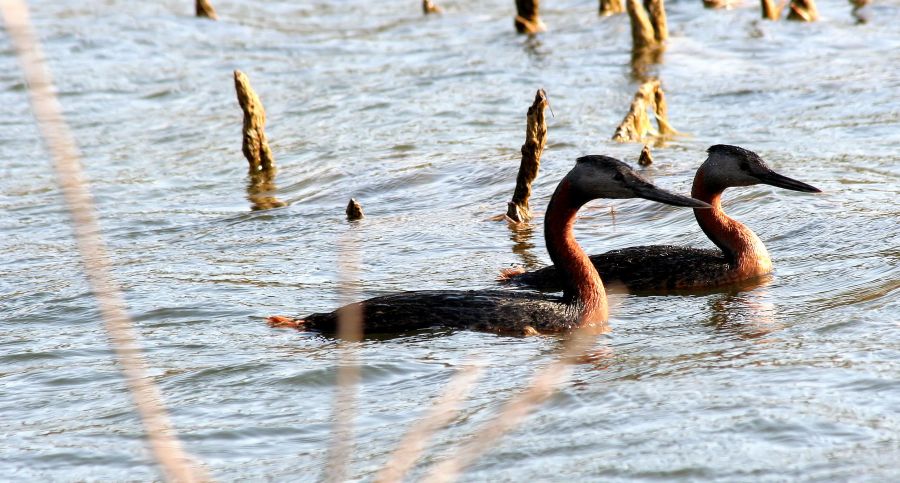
(282, 321)
(507, 274)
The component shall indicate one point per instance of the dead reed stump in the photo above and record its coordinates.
(535, 139)
(646, 159)
(429, 7)
(527, 19)
(803, 11)
(354, 210)
(643, 35)
(255, 144)
(611, 7)
(206, 10)
(635, 127)
(657, 11)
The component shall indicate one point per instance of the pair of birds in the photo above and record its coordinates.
(741, 256)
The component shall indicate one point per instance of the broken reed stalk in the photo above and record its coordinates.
(636, 124)
(354, 210)
(527, 19)
(542, 386)
(429, 7)
(255, 144)
(611, 7)
(770, 11)
(646, 159)
(657, 11)
(349, 332)
(535, 139)
(441, 413)
(166, 449)
(205, 9)
(803, 11)
(643, 35)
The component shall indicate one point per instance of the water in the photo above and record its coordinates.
(421, 119)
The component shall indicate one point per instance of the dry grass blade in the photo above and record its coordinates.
(440, 414)
(514, 411)
(350, 329)
(166, 448)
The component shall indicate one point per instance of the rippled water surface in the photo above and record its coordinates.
(421, 119)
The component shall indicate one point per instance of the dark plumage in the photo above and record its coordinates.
(499, 311)
(646, 268)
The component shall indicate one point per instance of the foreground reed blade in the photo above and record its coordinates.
(205, 9)
(803, 11)
(635, 127)
(255, 145)
(349, 332)
(175, 463)
(518, 209)
(441, 413)
(611, 7)
(542, 386)
(528, 20)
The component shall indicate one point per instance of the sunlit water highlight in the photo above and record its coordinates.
(421, 119)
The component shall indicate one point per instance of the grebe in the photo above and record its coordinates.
(583, 303)
(660, 268)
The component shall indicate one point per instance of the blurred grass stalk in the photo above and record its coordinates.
(542, 386)
(350, 329)
(167, 450)
(441, 413)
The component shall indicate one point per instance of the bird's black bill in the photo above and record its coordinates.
(650, 192)
(775, 179)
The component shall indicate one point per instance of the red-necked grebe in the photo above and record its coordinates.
(583, 303)
(659, 268)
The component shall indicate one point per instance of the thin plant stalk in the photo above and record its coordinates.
(542, 386)
(441, 413)
(175, 463)
(349, 332)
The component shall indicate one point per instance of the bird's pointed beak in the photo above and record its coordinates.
(651, 192)
(772, 178)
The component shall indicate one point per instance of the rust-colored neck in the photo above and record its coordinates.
(581, 282)
(741, 247)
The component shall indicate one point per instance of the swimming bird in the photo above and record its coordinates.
(741, 255)
(583, 303)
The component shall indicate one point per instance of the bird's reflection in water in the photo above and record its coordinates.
(748, 314)
(522, 236)
(259, 191)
